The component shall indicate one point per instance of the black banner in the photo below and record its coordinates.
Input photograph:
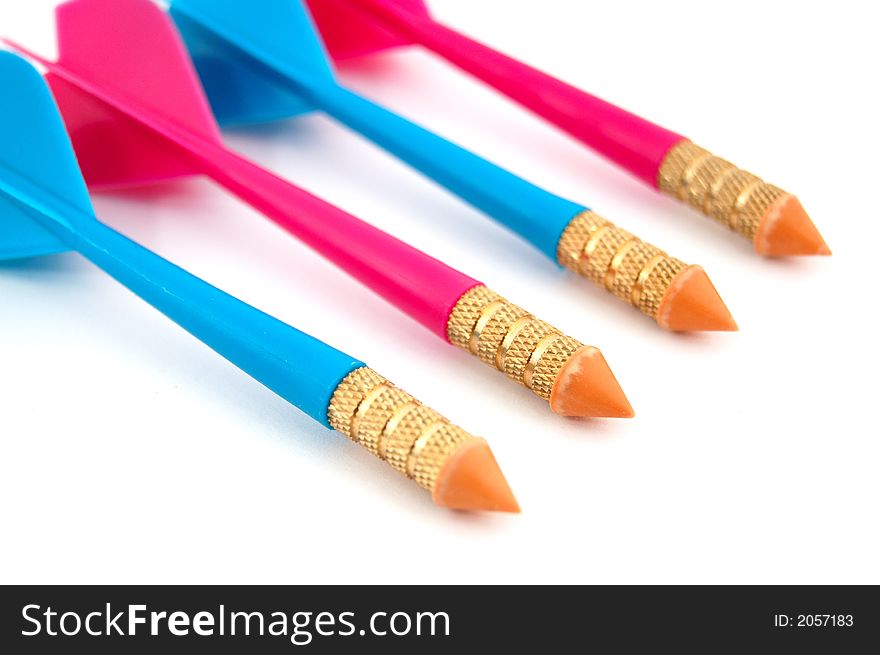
(438, 619)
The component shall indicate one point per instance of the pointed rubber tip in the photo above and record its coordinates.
(692, 304)
(471, 480)
(586, 387)
(786, 230)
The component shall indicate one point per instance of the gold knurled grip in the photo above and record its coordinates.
(634, 271)
(394, 426)
(717, 188)
(508, 338)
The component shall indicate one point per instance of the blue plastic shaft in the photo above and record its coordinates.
(535, 214)
(299, 368)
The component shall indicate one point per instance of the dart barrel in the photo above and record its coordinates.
(398, 429)
(633, 270)
(511, 340)
(717, 188)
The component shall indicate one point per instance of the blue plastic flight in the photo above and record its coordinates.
(262, 60)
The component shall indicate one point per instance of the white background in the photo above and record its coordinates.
(132, 453)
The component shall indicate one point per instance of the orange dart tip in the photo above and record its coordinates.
(692, 304)
(472, 480)
(786, 230)
(586, 387)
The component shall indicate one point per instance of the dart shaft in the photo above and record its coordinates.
(299, 368)
(530, 211)
(423, 287)
(632, 142)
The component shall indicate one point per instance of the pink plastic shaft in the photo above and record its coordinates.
(423, 287)
(637, 145)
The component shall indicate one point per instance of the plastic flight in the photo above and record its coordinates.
(771, 218)
(136, 113)
(263, 60)
(45, 208)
